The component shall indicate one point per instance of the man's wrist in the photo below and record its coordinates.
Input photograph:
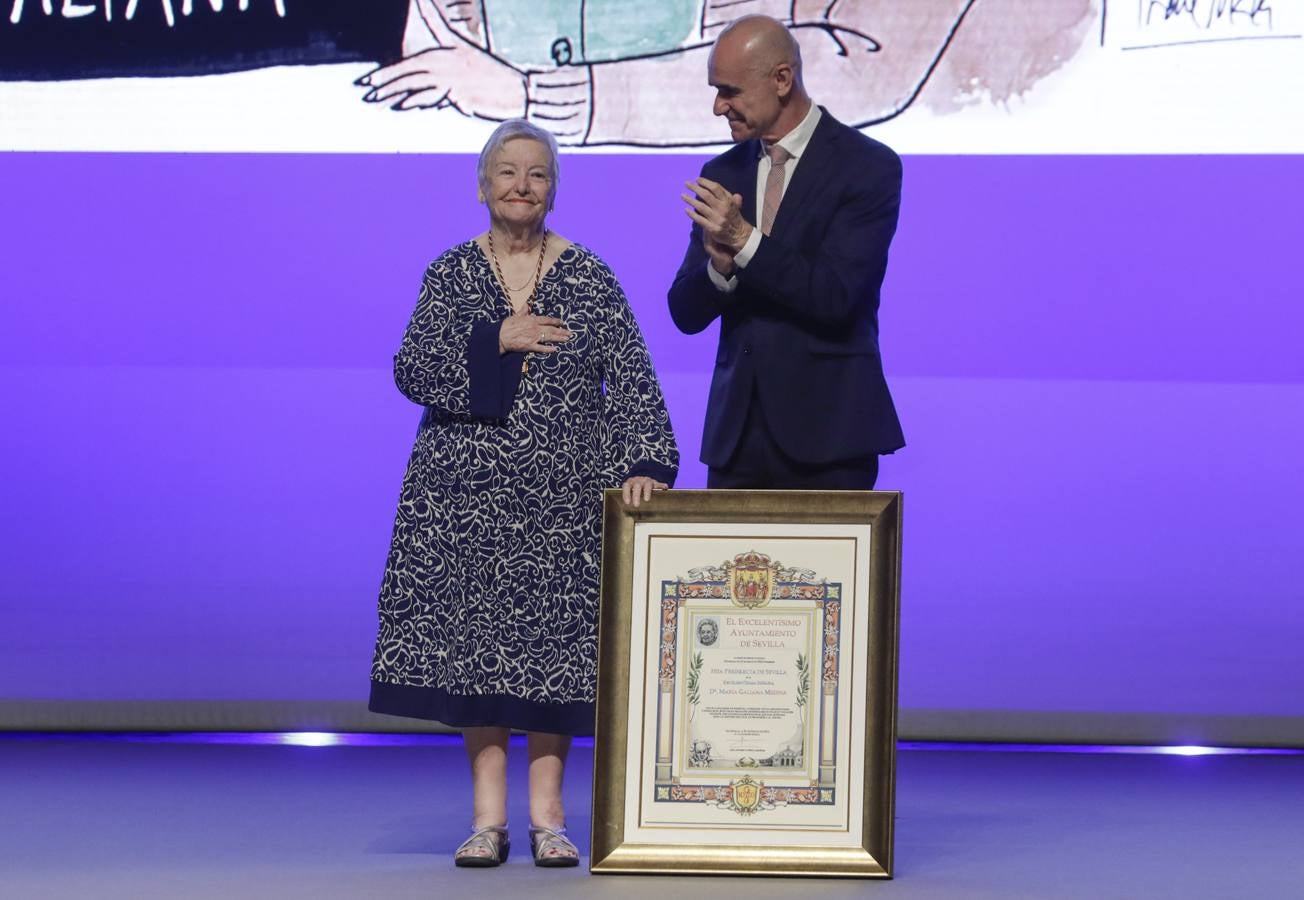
(723, 283)
(740, 240)
(744, 255)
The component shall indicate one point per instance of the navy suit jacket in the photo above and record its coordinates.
(799, 334)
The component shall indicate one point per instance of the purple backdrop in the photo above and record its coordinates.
(1096, 360)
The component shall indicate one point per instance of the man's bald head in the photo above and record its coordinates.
(762, 42)
(755, 67)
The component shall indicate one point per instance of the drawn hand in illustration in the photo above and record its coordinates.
(443, 67)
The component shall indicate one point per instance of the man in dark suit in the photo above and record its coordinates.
(789, 245)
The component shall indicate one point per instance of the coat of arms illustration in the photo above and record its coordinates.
(751, 579)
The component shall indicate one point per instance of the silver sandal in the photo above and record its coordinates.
(551, 848)
(481, 850)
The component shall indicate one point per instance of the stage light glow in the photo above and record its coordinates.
(310, 739)
(1192, 750)
(437, 739)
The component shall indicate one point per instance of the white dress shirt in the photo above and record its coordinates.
(794, 142)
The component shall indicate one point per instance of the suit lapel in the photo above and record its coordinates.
(747, 180)
(814, 169)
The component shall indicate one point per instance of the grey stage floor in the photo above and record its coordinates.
(87, 819)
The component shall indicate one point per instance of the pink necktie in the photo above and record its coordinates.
(773, 186)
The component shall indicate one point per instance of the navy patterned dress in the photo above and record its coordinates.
(488, 608)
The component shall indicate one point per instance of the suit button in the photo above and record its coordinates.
(747, 351)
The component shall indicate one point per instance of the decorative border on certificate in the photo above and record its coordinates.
(740, 712)
(755, 637)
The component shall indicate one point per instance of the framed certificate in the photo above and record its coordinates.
(747, 683)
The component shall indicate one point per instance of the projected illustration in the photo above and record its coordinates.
(935, 76)
(629, 72)
(594, 72)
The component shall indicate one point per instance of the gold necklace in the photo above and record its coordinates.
(538, 272)
(538, 276)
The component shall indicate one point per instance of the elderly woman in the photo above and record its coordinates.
(538, 393)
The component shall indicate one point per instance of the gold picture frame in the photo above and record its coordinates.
(747, 684)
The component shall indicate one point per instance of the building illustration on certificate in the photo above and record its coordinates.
(748, 687)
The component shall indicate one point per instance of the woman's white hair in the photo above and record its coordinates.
(517, 129)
